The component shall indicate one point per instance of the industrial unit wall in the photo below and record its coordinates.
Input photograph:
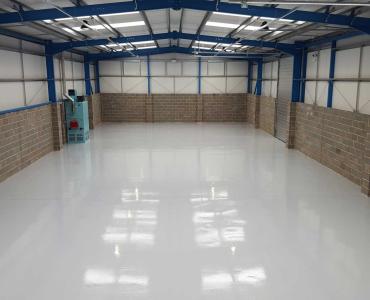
(23, 80)
(351, 86)
(174, 107)
(169, 76)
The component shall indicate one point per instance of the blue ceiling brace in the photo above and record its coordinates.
(164, 50)
(359, 23)
(284, 47)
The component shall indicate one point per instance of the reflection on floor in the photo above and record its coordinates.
(182, 211)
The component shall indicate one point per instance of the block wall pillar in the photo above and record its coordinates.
(57, 124)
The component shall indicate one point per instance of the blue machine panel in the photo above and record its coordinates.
(77, 118)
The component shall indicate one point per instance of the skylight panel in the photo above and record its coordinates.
(206, 43)
(120, 14)
(114, 25)
(230, 15)
(70, 18)
(201, 47)
(143, 42)
(256, 28)
(69, 30)
(146, 47)
(221, 24)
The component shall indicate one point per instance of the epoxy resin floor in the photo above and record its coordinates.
(182, 212)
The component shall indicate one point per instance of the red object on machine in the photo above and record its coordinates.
(73, 124)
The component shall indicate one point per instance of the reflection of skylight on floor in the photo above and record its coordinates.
(222, 280)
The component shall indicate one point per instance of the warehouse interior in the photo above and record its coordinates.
(184, 149)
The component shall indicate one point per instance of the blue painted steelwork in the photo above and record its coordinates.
(250, 76)
(8, 111)
(173, 49)
(21, 36)
(78, 11)
(297, 77)
(149, 75)
(359, 23)
(284, 47)
(87, 78)
(199, 75)
(304, 75)
(331, 73)
(50, 76)
(259, 77)
(328, 40)
(97, 78)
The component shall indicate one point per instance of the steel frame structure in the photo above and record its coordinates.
(297, 50)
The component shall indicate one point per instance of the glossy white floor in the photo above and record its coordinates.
(185, 212)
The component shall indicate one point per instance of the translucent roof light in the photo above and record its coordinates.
(223, 25)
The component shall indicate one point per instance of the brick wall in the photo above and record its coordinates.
(252, 109)
(123, 107)
(173, 108)
(95, 115)
(25, 136)
(333, 137)
(224, 107)
(267, 114)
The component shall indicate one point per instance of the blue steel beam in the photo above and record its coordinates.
(284, 47)
(359, 23)
(148, 71)
(250, 76)
(259, 77)
(50, 76)
(97, 78)
(199, 75)
(331, 73)
(21, 36)
(87, 77)
(304, 75)
(297, 77)
(173, 49)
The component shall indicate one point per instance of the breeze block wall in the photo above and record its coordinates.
(174, 108)
(25, 136)
(335, 138)
(123, 107)
(253, 109)
(95, 115)
(267, 107)
(224, 107)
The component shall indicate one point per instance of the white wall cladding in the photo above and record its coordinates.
(173, 76)
(351, 89)
(270, 79)
(24, 78)
(318, 66)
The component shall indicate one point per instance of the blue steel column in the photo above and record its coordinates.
(304, 75)
(87, 78)
(331, 73)
(250, 76)
(297, 77)
(199, 76)
(50, 75)
(259, 78)
(149, 75)
(97, 78)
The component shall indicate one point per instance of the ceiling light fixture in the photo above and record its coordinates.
(223, 25)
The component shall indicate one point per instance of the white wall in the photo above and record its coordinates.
(170, 76)
(23, 78)
(270, 75)
(351, 90)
